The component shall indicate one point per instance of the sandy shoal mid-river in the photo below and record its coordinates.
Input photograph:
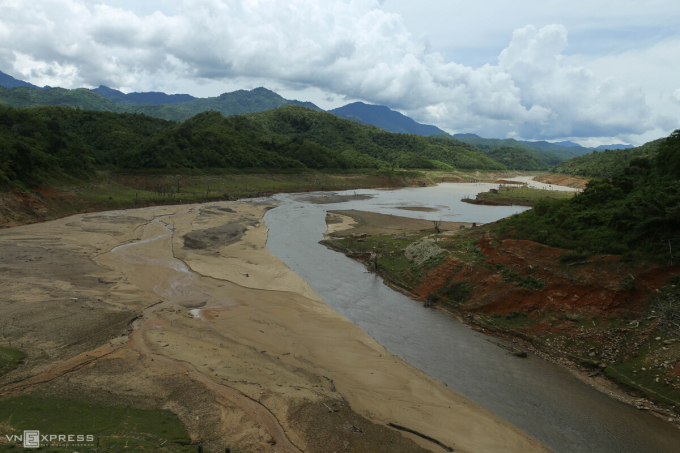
(189, 311)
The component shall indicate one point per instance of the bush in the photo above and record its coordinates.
(460, 291)
(573, 256)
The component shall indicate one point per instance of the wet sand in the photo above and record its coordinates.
(365, 222)
(184, 308)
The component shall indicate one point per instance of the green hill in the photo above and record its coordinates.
(608, 163)
(234, 103)
(152, 97)
(636, 211)
(351, 138)
(24, 96)
(40, 142)
(517, 159)
(512, 153)
(210, 140)
(545, 151)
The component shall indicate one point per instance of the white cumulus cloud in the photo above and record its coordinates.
(349, 49)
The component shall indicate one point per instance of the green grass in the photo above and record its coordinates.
(10, 359)
(118, 428)
(523, 195)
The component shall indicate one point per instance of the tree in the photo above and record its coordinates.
(436, 229)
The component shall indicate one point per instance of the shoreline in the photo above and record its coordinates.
(593, 377)
(209, 300)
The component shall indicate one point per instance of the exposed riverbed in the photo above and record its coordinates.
(542, 399)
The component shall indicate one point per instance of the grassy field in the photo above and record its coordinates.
(117, 428)
(519, 196)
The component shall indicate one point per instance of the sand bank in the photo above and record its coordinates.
(196, 315)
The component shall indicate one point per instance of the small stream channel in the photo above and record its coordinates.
(541, 398)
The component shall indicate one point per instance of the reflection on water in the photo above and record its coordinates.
(540, 398)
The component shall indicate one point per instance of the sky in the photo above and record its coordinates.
(591, 71)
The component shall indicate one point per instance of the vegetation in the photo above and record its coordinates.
(117, 428)
(24, 96)
(350, 138)
(385, 118)
(10, 359)
(517, 155)
(608, 163)
(164, 106)
(36, 144)
(44, 142)
(636, 211)
(518, 196)
(141, 98)
(517, 159)
(537, 148)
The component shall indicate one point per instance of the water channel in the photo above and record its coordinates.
(541, 398)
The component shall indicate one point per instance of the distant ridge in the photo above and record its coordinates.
(235, 103)
(151, 97)
(8, 81)
(385, 118)
(568, 144)
(619, 146)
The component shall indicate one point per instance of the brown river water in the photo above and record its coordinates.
(541, 398)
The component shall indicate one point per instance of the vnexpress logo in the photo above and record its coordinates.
(31, 439)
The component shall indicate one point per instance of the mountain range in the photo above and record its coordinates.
(181, 107)
(8, 81)
(385, 118)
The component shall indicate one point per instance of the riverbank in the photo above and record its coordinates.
(516, 196)
(581, 312)
(184, 308)
(109, 191)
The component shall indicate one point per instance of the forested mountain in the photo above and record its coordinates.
(24, 96)
(355, 142)
(567, 144)
(292, 137)
(36, 143)
(152, 97)
(618, 146)
(518, 159)
(384, 118)
(608, 163)
(402, 150)
(8, 81)
(561, 152)
(234, 103)
(554, 148)
(507, 150)
(40, 142)
(637, 210)
(239, 102)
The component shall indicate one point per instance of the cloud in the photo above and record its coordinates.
(350, 49)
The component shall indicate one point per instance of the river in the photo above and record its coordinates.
(541, 398)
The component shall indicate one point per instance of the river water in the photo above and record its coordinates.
(539, 397)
